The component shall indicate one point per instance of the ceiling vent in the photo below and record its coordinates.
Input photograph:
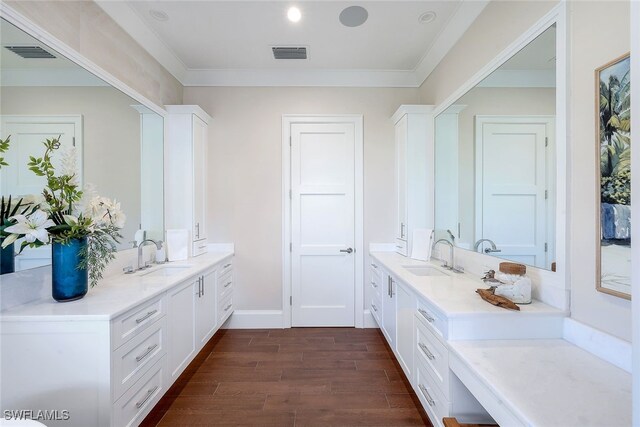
(30, 52)
(289, 52)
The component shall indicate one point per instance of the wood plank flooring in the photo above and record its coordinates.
(292, 377)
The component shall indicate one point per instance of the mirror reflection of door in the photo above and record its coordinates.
(513, 180)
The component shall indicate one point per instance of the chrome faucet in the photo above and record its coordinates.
(451, 265)
(493, 247)
(141, 265)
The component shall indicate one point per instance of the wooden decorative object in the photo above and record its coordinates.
(499, 301)
(513, 268)
(452, 422)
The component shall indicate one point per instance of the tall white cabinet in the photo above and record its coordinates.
(414, 177)
(186, 172)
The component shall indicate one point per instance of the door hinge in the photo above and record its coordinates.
(289, 141)
(546, 194)
(73, 141)
(290, 194)
(546, 247)
(290, 300)
(290, 247)
(546, 141)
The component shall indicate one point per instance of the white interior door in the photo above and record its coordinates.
(511, 184)
(322, 224)
(27, 135)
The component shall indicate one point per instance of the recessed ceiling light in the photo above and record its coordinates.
(427, 17)
(294, 14)
(354, 16)
(158, 15)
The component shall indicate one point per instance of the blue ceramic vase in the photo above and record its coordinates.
(69, 282)
(7, 259)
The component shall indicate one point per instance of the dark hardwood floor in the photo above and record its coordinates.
(292, 377)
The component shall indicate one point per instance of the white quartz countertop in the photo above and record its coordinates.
(114, 295)
(550, 382)
(454, 294)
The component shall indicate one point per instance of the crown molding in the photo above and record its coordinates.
(458, 24)
(300, 77)
(129, 20)
(34, 77)
(520, 78)
(132, 23)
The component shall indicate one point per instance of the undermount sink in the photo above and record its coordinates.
(420, 270)
(166, 271)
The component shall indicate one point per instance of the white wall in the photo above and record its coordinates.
(111, 137)
(245, 192)
(498, 26)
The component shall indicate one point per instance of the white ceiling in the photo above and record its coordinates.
(229, 42)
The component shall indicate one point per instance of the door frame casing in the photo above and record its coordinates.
(357, 121)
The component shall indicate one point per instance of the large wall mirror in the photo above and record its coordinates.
(495, 165)
(116, 142)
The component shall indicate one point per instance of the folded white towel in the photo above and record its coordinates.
(177, 245)
(421, 243)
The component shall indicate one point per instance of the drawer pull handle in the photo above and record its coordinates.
(374, 307)
(227, 266)
(426, 351)
(146, 352)
(374, 266)
(146, 316)
(426, 315)
(427, 396)
(146, 397)
(228, 307)
(228, 284)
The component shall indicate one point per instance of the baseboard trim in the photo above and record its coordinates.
(369, 320)
(254, 319)
(607, 347)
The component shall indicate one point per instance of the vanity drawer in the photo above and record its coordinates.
(401, 247)
(432, 398)
(199, 248)
(227, 266)
(433, 320)
(131, 360)
(225, 286)
(375, 309)
(135, 321)
(225, 308)
(434, 355)
(136, 403)
(376, 282)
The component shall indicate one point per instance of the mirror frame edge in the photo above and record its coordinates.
(558, 16)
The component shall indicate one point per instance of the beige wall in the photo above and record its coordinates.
(111, 135)
(591, 49)
(499, 25)
(86, 28)
(245, 178)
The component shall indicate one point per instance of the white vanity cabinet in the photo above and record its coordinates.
(182, 342)
(413, 142)
(186, 172)
(389, 310)
(109, 358)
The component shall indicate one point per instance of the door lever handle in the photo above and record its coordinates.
(489, 250)
(348, 250)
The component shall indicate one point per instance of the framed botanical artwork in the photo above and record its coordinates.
(613, 110)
